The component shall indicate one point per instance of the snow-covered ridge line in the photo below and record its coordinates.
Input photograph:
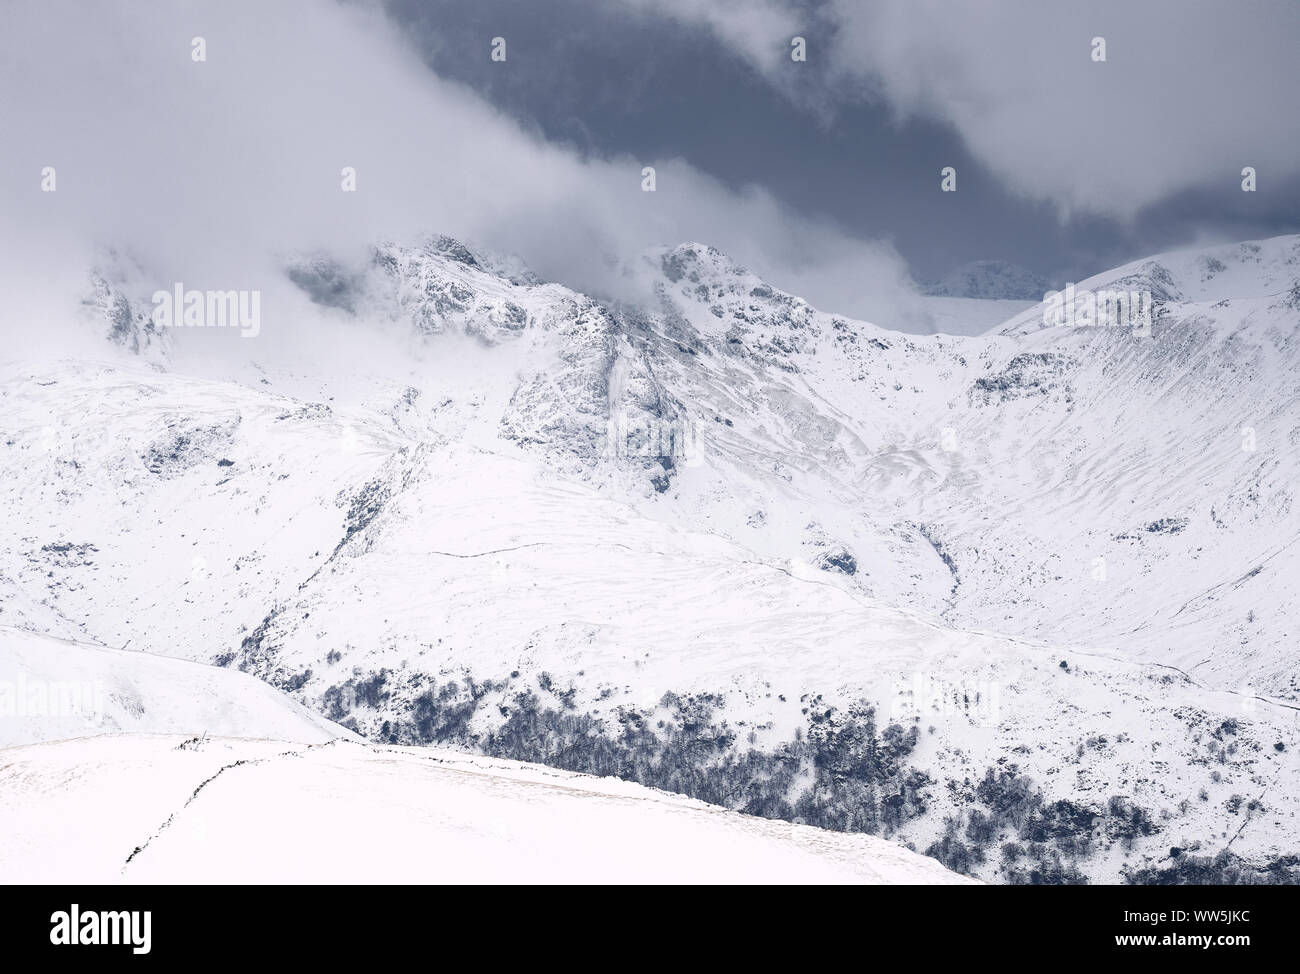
(55, 689)
(227, 810)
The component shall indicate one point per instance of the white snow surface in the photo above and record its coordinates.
(261, 811)
(53, 689)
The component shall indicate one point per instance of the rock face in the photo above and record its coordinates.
(721, 542)
(129, 323)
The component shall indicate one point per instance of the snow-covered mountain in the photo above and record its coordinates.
(1021, 600)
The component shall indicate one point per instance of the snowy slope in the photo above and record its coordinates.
(54, 689)
(239, 811)
(618, 537)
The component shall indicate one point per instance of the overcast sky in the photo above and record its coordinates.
(1065, 165)
(821, 175)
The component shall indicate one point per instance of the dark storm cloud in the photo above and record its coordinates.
(1065, 165)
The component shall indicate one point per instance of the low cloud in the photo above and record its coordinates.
(1188, 95)
(207, 171)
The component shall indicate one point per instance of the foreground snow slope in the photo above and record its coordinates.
(52, 689)
(238, 811)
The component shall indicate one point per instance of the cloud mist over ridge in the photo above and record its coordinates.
(208, 172)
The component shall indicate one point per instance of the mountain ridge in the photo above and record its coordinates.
(726, 523)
